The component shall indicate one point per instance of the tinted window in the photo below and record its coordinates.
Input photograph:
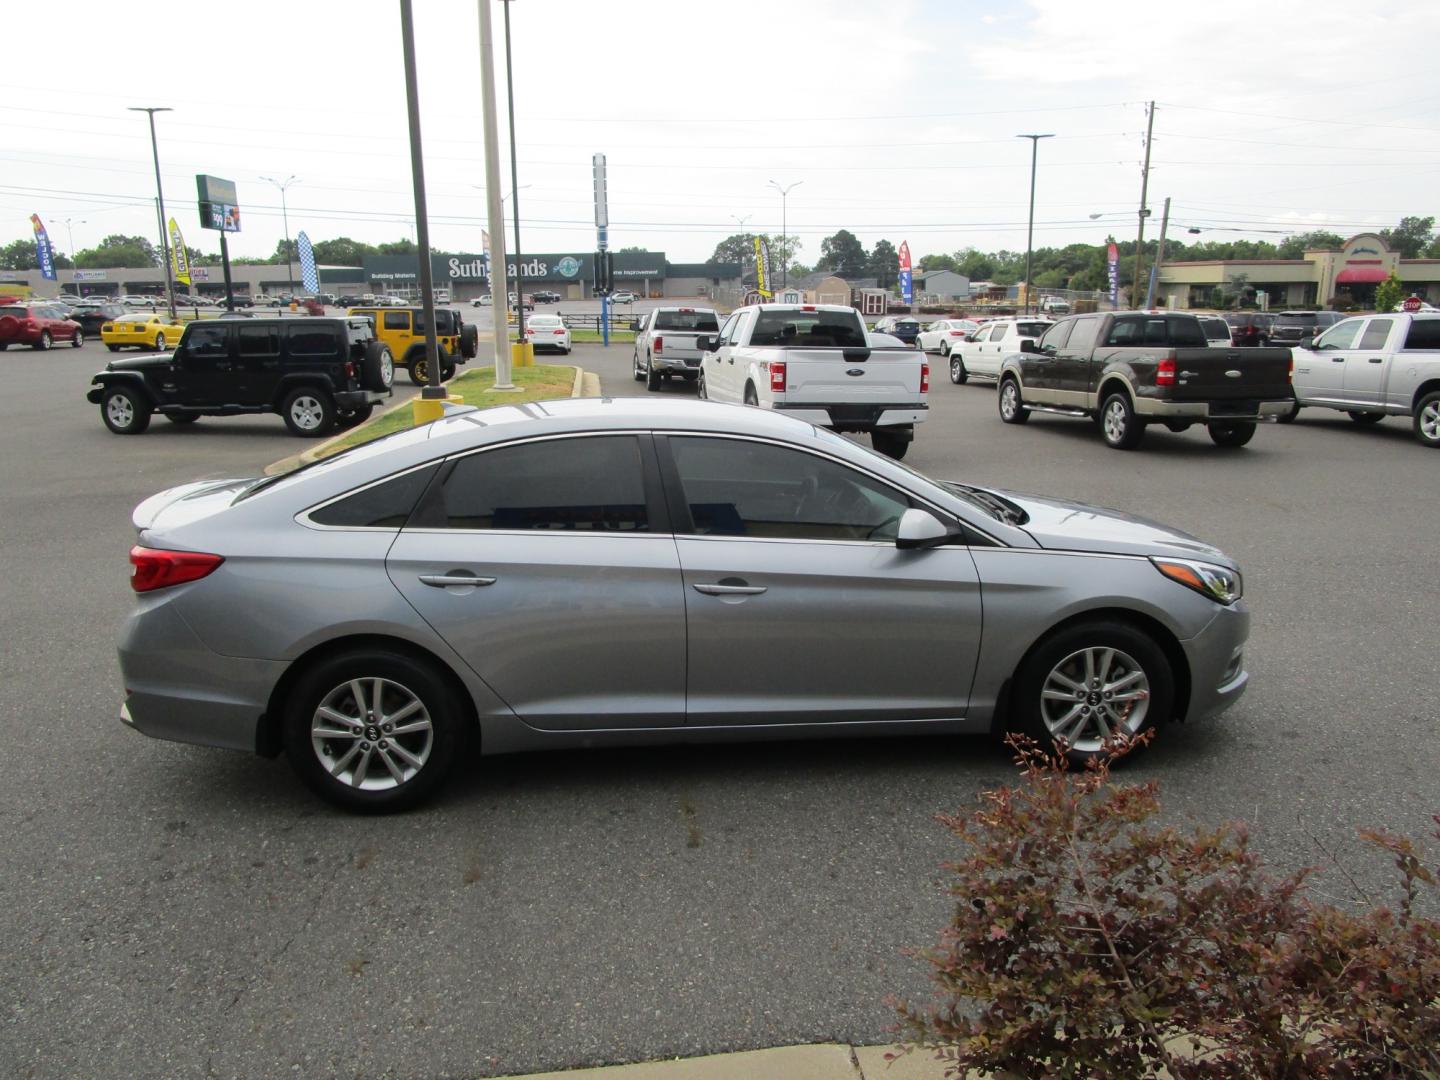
(312, 340)
(1216, 329)
(1125, 332)
(1376, 333)
(1424, 334)
(206, 340)
(1182, 332)
(812, 329)
(1001, 329)
(591, 484)
(1082, 338)
(703, 321)
(397, 320)
(737, 488)
(257, 340)
(1296, 318)
(1057, 335)
(1340, 337)
(385, 505)
(1031, 329)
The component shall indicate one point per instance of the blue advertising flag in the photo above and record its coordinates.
(1112, 261)
(907, 290)
(44, 254)
(308, 275)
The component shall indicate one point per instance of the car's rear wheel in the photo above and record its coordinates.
(124, 410)
(751, 398)
(1120, 427)
(1231, 434)
(113, 348)
(958, 375)
(889, 444)
(1090, 682)
(45, 341)
(652, 377)
(1427, 420)
(373, 730)
(1289, 417)
(358, 415)
(944, 348)
(77, 339)
(1365, 418)
(308, 412)
(1012, 407)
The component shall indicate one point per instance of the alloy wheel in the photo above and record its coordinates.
(372, 734)
(1093, 694)
(1430, 421)
(1009, 400)
(1115, 421)
(120, 410)
(307, 412)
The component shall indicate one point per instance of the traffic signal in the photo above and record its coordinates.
(604, 273)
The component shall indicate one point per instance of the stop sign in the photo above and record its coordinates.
(1412, 303)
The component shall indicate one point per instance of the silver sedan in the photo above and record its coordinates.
(620, 572)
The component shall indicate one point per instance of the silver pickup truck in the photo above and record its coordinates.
(666, 343)
(1374, 366)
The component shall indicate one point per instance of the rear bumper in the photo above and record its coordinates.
(857, 417)
(679, 362)
(353, 399)
(1212, 410)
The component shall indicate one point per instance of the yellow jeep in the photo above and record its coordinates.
(403, 329)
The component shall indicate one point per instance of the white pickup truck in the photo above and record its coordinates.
(667, 343)
(817, 362)
(1374, 366)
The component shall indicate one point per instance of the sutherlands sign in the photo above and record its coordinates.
(556, 268)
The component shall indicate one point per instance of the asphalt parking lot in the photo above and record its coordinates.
(175, 911)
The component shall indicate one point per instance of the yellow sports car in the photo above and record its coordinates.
(143, 331)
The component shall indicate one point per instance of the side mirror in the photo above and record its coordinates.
(1028, 345)
(635, 325)
(920, 529)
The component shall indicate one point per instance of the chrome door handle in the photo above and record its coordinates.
(445, 581)
(729, 590)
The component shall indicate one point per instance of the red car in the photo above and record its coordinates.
(38, 325)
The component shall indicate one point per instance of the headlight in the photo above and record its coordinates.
(1219, 583)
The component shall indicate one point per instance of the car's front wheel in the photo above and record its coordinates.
(373, 730)
(1012, 407)
(78, 339)
(958, 375)
(1231, 434)
(1090, 682)
(124, 411)
(308, 412)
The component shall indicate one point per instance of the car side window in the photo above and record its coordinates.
(1341, 336)
(257, 340)
(727, 332)
(385, 505)
(1083, 335)
(593, 484)
(1424, 334)
(207, 341)
(313, 341)
(1057, 336)
(756, 490)
(1377, 332)
(397, 320)
(983, 334)
(1001, 329)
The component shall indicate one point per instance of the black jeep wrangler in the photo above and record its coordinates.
(315, 372)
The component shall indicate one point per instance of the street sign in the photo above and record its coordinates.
(1412, 303)
(219, 205)
(602, 211)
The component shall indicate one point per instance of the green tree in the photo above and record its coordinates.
(843, 255)
(1389, 293)
(1295, 246)
(20, 255)
(342, 251)
(396, 247)
(1412, 236)
(975, 265)
(938, 262)
(117, 251)
(740, 248)
(884, 264)
(284, 252)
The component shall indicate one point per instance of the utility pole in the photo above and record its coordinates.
(285, 216)
(160, 207)
(526, 355)
(1159, 255)
(1030, 232)
(1144, 212)
(435, 392)
(494, 202)
(784, 232)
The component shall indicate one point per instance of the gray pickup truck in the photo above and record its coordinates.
(1127, 369)
(667, 343)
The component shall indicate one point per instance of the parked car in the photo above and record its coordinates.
(1217, 331)
(69, 298)
(372, 615)
(1124, 370)
(141, 300)
(904, 327)
(1250, 329)
(38, 325)
(546, 296)
(390, 301)
(483, 301)
(1296, 327)
(548, 332)
(623, 296)
(529, 304)
(1374, 366)
(153, 331)
(1054, 305)
(980, 353)
(347, 301)
(329, 299)
(942, 335)
(668, 344)
(403, 330)
(315, 373)
(92, 317)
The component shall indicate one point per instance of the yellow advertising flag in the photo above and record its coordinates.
(762, 268)
(179, 261)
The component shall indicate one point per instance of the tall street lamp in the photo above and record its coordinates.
(285, 216)
(160, 204)
(1030, 231)
(515, 191)
(784, 232)
(71, 234)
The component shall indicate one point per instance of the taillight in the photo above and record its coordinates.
(777, 376)
(657, 345)
(152, 568)
(1165, 374)
(1290, 368)
(924, 378)
(350, 369)
(957, 333)
(560, 332)
(807, 307)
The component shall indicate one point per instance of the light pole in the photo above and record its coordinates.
(514, 192)
(285, 216)
(741, 222)
(160, 204)
(784, 232)
(1030, 231)
(71, 234)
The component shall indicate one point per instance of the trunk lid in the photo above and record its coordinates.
(862, 374)
(187, 503)
(1230, 375)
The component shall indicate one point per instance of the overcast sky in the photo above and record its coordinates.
(897, 120)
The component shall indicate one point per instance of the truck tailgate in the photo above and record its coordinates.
(676, 344)
(1231, 375)
(888, 376)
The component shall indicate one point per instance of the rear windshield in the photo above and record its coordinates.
(907, 322)
(1031, 329)
(703, 321)
(813, 329)
(20, 311)
(1216, 329)
(1297, 318)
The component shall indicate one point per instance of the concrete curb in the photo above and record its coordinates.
(818, 1061)
(580, 388)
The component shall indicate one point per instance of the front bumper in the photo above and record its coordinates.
(1216, 657)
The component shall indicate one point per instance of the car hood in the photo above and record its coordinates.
(1072, 526)
(141, 363)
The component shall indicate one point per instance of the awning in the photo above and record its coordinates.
(1361, 275)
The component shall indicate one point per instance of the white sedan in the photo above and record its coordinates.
(982, 352)
(548, 332)
(944, 334)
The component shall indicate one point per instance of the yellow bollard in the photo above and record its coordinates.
(522, 354)
(430, 409)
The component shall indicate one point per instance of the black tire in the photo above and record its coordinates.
(4, 345)
(1119, 426)
(125, 411)
(944, 348)
(1231, 435)
(113, 348)
(78, 339)
(181, 418)
(891, 445)
(1365, 418)
(377, 367)
(1011, 404)
(958, 375)
(1427, 420)
(1057, 659)
(635, 368)
(700, 391)
(308, 411)
(160, 342)
(751, 398)
(652, 377)
(45, 341)
(1289, 417)
(357, 415)
(469, 341)
(404, 679)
